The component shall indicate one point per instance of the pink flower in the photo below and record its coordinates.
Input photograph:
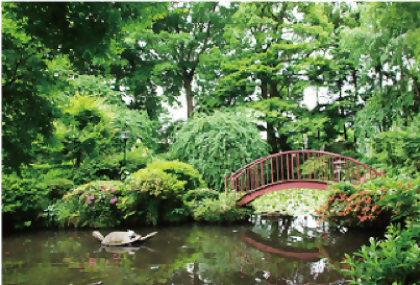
(92, 189)
(92, 197)
(93, 207)
(90, 202)
(104, 196)
(76, 192)
(113, 190)
(113, 200)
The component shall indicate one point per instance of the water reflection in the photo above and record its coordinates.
(286, 250)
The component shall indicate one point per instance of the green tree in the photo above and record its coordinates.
(218, 144)
(275, 53)
(36, 39)
(178, 40)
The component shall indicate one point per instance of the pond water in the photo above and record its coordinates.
(281, 250)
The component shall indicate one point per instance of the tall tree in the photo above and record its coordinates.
(385, 48)
(36, 38)
(271, 50)
(188, 31)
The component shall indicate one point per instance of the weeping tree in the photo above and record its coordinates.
(218, 144)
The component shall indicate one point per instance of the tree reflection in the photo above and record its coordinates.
(284, 250)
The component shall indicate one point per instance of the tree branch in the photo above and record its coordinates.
(23, 60)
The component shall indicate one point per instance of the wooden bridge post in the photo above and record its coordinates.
(293, 169)
(226, 185)
(298, 166)
(272, 174)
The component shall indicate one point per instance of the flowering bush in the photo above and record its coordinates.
(362, 205)
(98, 204)
(148, 195)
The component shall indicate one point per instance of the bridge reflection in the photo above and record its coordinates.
(276, 259)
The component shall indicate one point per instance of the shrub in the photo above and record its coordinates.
(182, 171)
(163, 181)
(218, 144)
(59, 187)
(156, 182)
(395, 260)
(225, 208)
(108, 167)
(98, 204)
(23, 201)
(367, 203)
(147, 196)
(198, 195)
(397, 150)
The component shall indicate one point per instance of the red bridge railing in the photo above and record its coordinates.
(299, 165)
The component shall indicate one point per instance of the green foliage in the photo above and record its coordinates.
(93, 84)
(108, 167)
(98, 204)
(24, 199)
(42, 45)
(224, 209)
(28, 87)
(149, 195)
(156, 182)
(398, 149)
(83, 130)
(181, 171)
(142, 129)
(192, 197)
(177, 47)
(218, 144)
(164, 191)
(87, 32)
(395, 260)
(372, 203)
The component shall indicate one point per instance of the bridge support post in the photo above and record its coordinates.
(225, 185)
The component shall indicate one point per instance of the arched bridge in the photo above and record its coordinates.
(308, 169)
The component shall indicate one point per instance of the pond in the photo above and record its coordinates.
(270, 250)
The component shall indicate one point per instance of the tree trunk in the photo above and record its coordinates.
(189, 94)
(271, 131)
(416, 87)
(317, 106)
(355, 102)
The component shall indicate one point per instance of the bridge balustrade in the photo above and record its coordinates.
(298, 169)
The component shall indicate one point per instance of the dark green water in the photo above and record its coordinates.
(287, 250)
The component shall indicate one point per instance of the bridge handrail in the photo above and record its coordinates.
(240, 171)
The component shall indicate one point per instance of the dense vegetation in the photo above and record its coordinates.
(76, 75)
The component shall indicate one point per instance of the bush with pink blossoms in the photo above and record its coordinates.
(372, 204)
(97, 204)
